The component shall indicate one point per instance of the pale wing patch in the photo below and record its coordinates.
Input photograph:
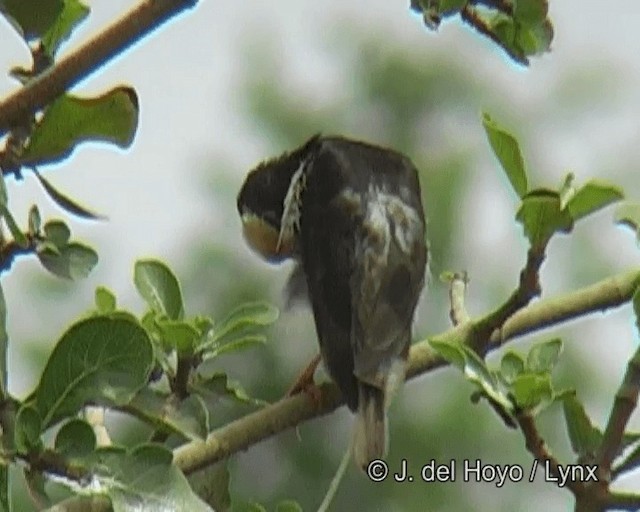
(290, 222)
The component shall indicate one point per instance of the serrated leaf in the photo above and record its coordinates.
(188, 418)
(74, 261)
(511, 366)
(541, 217)
(31, 18)
(73, 13)
(69, 121)
(75, 438)
(100, 360)
(66, 203)
(145, 479)
(585, 438)
(28, 429)
(159, 287)
(14, 229)
(628, 214)
(543, 356)
(450, 352)
(592, 196)
(507, 150)
(105, 300)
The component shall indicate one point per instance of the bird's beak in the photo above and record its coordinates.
(264, 239)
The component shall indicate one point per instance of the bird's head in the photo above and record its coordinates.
(269, 203)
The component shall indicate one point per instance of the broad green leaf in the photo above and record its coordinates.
(451, 352)
(35, 223)
(4, 345)
(69, 121)
(218, 385)
(100, 360)
(288, 506)
(75, 439)
(36, 481)
(28, 429)
(541, 217)
(188, 418)
(212, 485)
(14, 229)
(250, 314)
(593, 196)
(507, 150)
(476, 371)
(238, 344)
(543, 356)
(511, 366)
(74, 261)
(159, 287)
(530, 390)
(105, 300)
(31, 18)
(628, 214)
(64, 202)
(73, 13)
(585, 438)
(530, 11)
(57, 232)
(145, 479)
(179, 335)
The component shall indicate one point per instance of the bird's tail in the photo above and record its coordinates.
(370, 435)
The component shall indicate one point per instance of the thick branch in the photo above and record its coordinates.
(289, 412)
(82, 62)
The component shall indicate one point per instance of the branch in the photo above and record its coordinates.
(289, 412)
(79, 64)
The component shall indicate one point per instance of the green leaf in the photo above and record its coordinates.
(4, 198)
(31, 18)
(35, 223)
(288, 506)
(179, 334)
(585, 438)
(57, 232)
(74, 261)
(630, 462)
(530, 390)
(99, 360)
(66, 203)
(145, 479)
(238, 344)
(69, 121)
(541, 217)
(188, 418)
(4, 346)
(218, 386)
(593, 196)
(212, 485)
(628, 214)
(28, 429)
(543, 356)
(14, 229)
(159, 287)
(73, 13)
(531, 11)
(451, 352)
(567, 190)
(511, 366)
(249, 314)
(75, 439)
(105, 300)
(506, 148)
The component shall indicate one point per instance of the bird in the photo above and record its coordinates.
(350, 215)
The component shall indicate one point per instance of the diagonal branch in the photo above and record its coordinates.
(76, 66)
(259, 425)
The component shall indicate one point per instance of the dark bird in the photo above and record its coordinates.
(350, 214)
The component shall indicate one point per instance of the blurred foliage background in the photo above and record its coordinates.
(425, 102)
